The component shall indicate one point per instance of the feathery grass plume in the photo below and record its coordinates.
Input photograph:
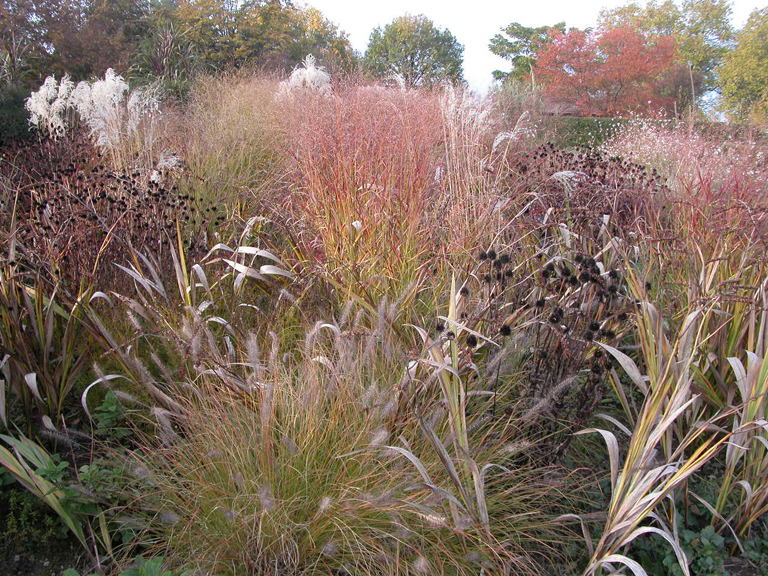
(47, 106)
(118, 125)
(523, 128)
(309, 76)
(244, 472)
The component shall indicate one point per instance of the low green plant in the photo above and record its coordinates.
(110, 418)
(756, 549)
(26, 521)
(705, 548)
(140, 567)
(43, 475)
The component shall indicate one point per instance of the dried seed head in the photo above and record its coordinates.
(421, 565)
(325, 503)
(168, 517)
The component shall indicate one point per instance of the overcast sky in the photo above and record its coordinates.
(474, 22)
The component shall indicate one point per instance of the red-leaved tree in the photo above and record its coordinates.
(611, 72)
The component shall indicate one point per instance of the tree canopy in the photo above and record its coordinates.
(615, 71)
(413, 48)
(160, 38)
(701, 28)
(743, 75)
(520, 45)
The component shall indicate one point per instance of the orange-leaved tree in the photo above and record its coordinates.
(608, 72)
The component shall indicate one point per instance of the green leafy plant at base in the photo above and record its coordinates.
(109, 417)
(706, 550)
(141, 567)
(41, 474)
(26, 522)
(756, 550)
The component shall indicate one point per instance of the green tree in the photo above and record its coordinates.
(701, 28)
(743, 75)
(412, 47)
(323, 39)
(520, 44)
(267, 33)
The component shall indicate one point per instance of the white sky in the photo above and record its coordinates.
(475, 22)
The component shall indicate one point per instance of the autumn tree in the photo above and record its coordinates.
(610, 72)
(743, 75)
(268, 33)
(413, 48)
(701, 29)
(78, 37)
(520, 45)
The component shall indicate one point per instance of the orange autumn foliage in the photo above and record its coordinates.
(611, 72)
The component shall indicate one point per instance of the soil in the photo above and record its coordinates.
(33, 541)
(48, 561)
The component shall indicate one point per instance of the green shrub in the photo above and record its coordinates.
(14, 123)
(570, 131)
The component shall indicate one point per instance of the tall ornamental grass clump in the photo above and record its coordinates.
(229, 137)
(714, 182)
(386, 183)
(362, 180)
(336, 452)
